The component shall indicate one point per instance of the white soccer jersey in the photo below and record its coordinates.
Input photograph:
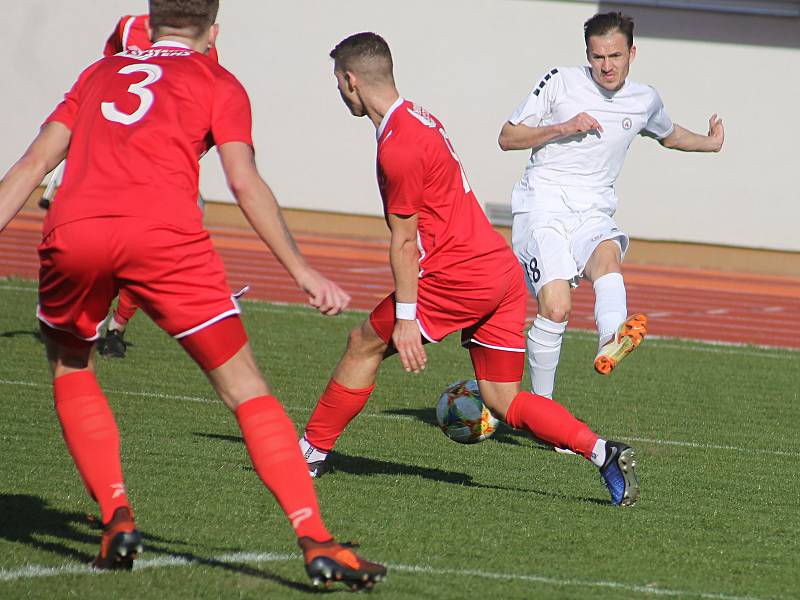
(592, 160)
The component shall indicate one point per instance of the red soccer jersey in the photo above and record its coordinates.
(140, 122)
(131, 34)
(419, 172)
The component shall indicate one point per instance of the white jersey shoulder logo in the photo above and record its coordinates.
(422, 115)
(626, 123)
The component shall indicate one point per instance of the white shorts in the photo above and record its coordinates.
(554, 246)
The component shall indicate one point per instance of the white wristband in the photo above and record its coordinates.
(406, 311)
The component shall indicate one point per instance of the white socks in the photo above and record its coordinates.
(114, 325)
(610, 306)
(599, 452)
(544, 349)
(311, 453)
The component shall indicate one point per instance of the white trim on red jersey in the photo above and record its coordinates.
(388, 114)
(126, 31)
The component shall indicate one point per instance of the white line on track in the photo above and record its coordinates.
(682, 443)
(15, 288)
(33, 571)
(719, 347)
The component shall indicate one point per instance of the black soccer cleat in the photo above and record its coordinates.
(319, 468)
(113, 345)
(619, 474)
(329, 562)
(120, 544)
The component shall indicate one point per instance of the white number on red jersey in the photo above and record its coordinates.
(146, 97)
(452, 150)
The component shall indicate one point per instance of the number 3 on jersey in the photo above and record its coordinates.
(146, 97)
(452, 150)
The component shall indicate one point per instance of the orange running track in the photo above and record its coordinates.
(686, 303)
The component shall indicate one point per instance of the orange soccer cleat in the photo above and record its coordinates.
(328, 562)
(628, 337)
(120, 544)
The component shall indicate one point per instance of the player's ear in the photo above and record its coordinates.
(633, 52)
(351, 80)
(212, 35)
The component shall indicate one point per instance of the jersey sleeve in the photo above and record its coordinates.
(658, 125)
(67, 110)
(403, 176)
(539, 102)
(114, 42)
(231, 117)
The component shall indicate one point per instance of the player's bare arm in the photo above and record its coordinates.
(688, 141)
(524, 137)
(42, 156)
(404, 260)
(261, 209)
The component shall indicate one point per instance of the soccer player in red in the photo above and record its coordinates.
(451, 271)
(133, 128)
(131, 33)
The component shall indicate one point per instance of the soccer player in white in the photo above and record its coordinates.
(578, 123)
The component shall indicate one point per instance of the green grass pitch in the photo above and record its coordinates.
(715, 428)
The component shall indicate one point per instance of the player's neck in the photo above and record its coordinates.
(196, 44)
(379, 103)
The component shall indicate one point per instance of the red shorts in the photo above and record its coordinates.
(492, 316)
(176, 277)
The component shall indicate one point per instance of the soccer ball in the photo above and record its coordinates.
(461, 414)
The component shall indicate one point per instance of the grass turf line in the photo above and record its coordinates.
(709, 522)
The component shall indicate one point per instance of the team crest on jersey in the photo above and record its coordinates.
(422, 115)
(627, 123)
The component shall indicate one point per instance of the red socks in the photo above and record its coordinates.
(92, 438)
(272, 444)
(125, 308)
(551, 422)
(337, 406)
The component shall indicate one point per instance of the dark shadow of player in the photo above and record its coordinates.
(22, 332)
(29, 520)
(359, 465)
(503, 435)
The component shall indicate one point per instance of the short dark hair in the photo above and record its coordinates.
(605, 23)
(360, 46)
(194, 15)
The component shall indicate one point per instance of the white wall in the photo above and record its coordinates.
(469, 62)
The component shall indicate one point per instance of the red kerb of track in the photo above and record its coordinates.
(686, 303)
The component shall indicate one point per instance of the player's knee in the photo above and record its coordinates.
(558, 313)
(246, 383)
(362, 341)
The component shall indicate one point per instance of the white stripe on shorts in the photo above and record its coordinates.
(474, 341)
(44, 320)
(234, 311)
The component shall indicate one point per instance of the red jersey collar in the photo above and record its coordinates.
(387, 116)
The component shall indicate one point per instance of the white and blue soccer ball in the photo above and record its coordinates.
(462, 415)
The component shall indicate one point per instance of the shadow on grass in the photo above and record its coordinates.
(20, 333)
(503, 435)
(29, 520)
(358, 465)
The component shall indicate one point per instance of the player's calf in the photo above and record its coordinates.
(628, 337)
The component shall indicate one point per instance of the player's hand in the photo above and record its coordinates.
(582, 123)
(716, 132)
(408, 343)
(323, 294)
